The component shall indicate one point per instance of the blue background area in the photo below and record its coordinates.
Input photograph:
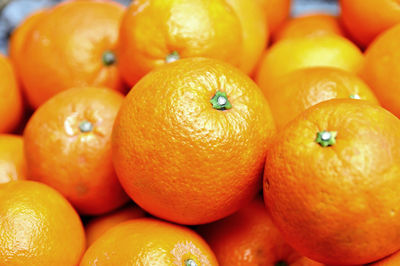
(17, 10)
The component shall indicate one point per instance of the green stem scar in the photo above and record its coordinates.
(85, 126)
(281, 263)
(326, 138)
(190, 262)
(220, 101)
(109, 58)
(355, 96)
(172, 57)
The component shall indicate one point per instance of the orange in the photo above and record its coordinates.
(79, 52)
(99, 225)
(255, 32)
(155, 32)
(12, 160)
(392, 260)
(309, 25)
(190, 139)
(291, 54)
(11, 105)
(381, 70)
(149, 242)
(295, 92)
(331, 182)
(366, 19)
(249, 237)
(38, 226)
(68, 146)
(277, 12)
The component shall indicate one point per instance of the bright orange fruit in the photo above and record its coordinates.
(190, 139)
(12, 159)
(331, 179)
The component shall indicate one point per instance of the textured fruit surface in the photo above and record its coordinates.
(38, 226)
(291, 54)
(149, 242)
(79, 51)
(11, 106)
(295, 92)
(155, 32)
(190, 139)
(331, 179)
(277, 11)
(249, 237)
(68, 146)
(366, 19)
(381, 70)
(100, 224)
(12, 159)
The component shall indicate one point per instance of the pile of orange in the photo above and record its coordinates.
(201, 132)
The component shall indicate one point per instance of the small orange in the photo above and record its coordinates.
(331, 182)
(291, 54)
(277, 11)
(366, 19)
(381, 70)
(67, 145)
(308, 26)
(12, 159)
(392, 260)
(11, 105)
(79, 51)
(99, 225)
(190, 139)
(38, 226)
(148, 241)
(249, 237)
(155, 32)
(290, 95)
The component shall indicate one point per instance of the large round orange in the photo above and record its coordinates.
(331, 182)
(290, 95)
(38, 226)
(100, 224)
(366, 19)
(11, 105)
(149, 242)
(291, 54)
(79, 51)
(255, 32)
(67, 145)
(189, 141)
(381, 70)
(392, 260)
(155, 32)
(309, 25)
(12, 158)
(277, 11)
(249, 237)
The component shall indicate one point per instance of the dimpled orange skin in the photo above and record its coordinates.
(12, 159)
(249, 237)
(338, 204)
(11, 106)
(291, 54)
(181, 159)
(255, 32)
(308, 26)
(366, 19)
(277, 11)
(303, 88)
(381, 70)
(149, 241)
(153, 29)
(392, 260)
(100, 224)
(76, 163)
(53, 59)
(38, 226)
